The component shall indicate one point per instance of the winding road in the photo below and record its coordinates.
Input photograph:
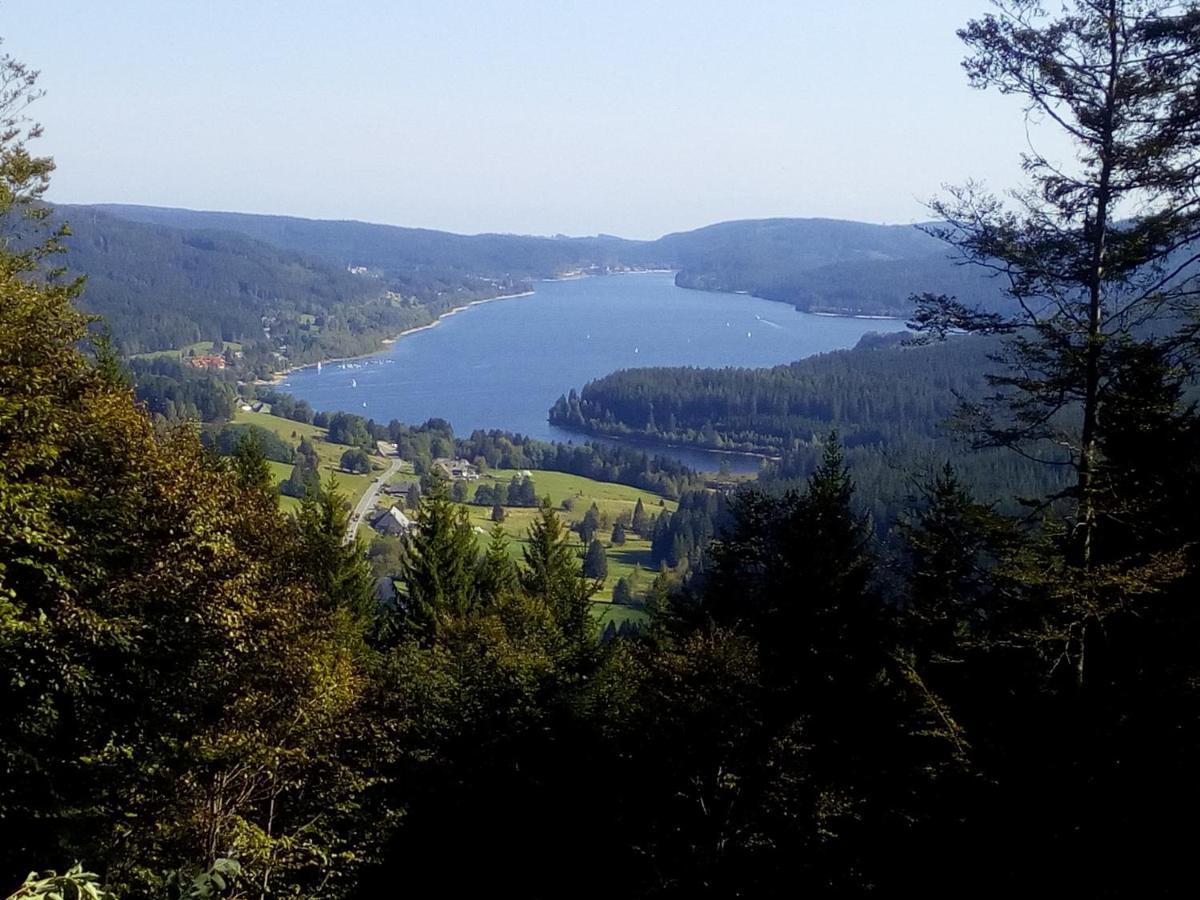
(367, 502)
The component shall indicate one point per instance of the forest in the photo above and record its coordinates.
(206, 698)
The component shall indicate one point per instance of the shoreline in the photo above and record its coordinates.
(649, 442)
(279, 377)
(282, 375)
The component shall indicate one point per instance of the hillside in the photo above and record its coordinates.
(160, 287)
(815, 264)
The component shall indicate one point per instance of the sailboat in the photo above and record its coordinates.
(318, 367)
(353, 382)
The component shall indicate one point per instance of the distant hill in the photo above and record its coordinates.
(160, 287)
(170, 277)
(396, 251)
(824, 265)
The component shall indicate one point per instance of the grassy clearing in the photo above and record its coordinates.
(630, 560)
(330, 455)
(200, 348)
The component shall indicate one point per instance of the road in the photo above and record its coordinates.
(367, 503)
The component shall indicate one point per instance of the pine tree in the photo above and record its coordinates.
(337, 567)
(440, 565)
(618, 535)
(638, 523)
(497, 573)
(552, 576)
(1097, 255)
(595, 562)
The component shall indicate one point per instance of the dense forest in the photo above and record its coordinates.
(814, 264)
(206, 698)
(160, 287)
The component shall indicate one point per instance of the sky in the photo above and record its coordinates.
(633, 118)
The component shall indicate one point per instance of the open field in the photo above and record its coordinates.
(200, 348)
(354, 486)
(630, 560)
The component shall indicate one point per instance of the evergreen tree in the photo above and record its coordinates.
(497, 573)
(250, 464)
(595, 562)
(589, 525)
(638, 523)
(338, 568)
(440, 565)
(622, 593)
(1094, 254)
(497, 513)
(551, 575)
(618, 535)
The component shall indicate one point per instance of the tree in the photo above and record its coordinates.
(497, 513)
(595, 562)
(622, 593)
(412, 497)
(639, 519)
(356, 460)
(551, 575)
(1097, 257)
(439, 567)
(589, 525)
(618, 534)
(497, 573)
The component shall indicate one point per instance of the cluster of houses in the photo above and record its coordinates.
(392, 521)
(208, 361)
(456, 469)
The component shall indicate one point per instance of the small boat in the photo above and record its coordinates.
(353, 382)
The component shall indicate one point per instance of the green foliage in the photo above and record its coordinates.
(551, 575)
(439, 565)
(357, 461)
(595, 562)
(74, 884)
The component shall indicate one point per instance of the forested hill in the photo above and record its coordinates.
(815, 264)
(394, 250)
(162, 287)
(890, 404)
(824, 265)
(872, 396)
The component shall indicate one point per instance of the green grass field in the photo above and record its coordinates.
(630, 560)
(200, 348)
(354, 486)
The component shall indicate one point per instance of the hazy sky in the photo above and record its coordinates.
(631, 118)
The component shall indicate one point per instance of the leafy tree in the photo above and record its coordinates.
(356, 460)
(595, 562)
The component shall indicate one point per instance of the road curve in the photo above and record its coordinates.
(368, 499)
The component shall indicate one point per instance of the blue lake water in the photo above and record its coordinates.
(502, 364)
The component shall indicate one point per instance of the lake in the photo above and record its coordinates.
(502, 364)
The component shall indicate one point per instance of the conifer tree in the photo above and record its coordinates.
(552, 576)
(497, 572)
(595, 562)
(439, 567)
(638, 523)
